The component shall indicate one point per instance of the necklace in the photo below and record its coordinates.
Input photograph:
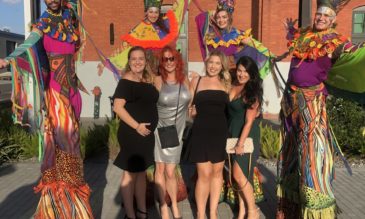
(137, 77)
(59, 14)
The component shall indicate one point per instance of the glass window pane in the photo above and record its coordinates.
(359, 18)
(358, 28)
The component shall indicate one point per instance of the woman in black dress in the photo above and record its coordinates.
(209, 133)
(135, 101)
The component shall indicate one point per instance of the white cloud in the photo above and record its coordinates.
(13, 2)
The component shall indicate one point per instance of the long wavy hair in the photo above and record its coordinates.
(253, 91)
(146, 76)
(179, 71)
(224, 75)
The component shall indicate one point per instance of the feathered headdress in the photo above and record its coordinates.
(335, 5)
(227, 5)
(152, 3)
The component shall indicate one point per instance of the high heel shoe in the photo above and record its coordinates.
(142, 213)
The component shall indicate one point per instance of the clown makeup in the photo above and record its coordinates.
(324, 18)
(152, 14)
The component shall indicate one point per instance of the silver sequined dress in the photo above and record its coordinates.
(166, 107)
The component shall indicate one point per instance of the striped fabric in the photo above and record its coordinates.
(305, 166)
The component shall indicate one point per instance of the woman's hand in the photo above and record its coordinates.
(142, 129)
(239, 149)
(3, 63)
(192, 111)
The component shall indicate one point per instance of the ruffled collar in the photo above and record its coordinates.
(59, 27)
(309, 44)
(233, 37)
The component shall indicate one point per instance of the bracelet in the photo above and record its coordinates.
(137, 126)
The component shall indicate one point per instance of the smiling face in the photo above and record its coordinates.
(324, 18)
(53, 5)
(222, 19)
(169, 62)
(242, 75)
(152, 14)
(137, 61)
(214, 66)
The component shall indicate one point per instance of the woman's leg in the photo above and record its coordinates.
(171, 186)
(160, 184)
(242, 208)
(246, 191)
(202, 188)
(127, 185)
(140, 192)
(215, 188)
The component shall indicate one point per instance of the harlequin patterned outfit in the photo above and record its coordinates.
(305, 166)
(49, 59)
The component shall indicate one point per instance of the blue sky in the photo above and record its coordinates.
(12, 15)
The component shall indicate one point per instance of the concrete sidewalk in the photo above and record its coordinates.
(17, 199)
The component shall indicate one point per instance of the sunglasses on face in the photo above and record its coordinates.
(166, 59)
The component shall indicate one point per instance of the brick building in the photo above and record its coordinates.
(107, 21)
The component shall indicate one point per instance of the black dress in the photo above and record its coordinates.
(210, 127)
(136, 151)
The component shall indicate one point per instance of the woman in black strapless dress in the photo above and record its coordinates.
(210, 131)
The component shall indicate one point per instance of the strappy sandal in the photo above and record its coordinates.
(142, 213)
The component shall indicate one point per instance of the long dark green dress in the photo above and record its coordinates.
(236, 120)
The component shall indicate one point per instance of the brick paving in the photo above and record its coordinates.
(18, 201)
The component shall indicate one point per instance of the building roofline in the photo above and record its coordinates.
(11, 35)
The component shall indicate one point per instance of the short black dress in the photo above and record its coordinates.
(210, 127)
(136, 151)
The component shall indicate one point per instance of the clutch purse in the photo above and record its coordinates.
(232, 142)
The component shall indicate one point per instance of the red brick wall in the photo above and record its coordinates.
(266, 14)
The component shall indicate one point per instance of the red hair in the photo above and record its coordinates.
(179, 71)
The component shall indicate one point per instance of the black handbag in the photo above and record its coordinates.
(168, 134)
(185, 152)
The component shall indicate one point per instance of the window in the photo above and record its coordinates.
(358, 24)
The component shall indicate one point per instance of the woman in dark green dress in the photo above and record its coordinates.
(245, 104)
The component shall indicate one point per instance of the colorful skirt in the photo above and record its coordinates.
(305, 165)
(64, 193)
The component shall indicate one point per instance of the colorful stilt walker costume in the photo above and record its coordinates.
(305, 165)
(47, 60)
(231, 41)
(152, 36)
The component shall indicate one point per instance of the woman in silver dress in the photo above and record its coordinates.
(173, 86)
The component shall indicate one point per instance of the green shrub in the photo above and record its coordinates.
(113, 143)
(270, 141)
(94, 140)
(348, 121)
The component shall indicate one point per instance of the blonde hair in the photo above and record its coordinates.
(224, 75)
(146, 75)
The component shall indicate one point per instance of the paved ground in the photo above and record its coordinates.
(17, 199)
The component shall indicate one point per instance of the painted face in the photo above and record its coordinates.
(137, 61)
(214, 66)
(324, 18)
(152, 14)
(169, 62)
(53, 5)
(222, 19)
(242, 75)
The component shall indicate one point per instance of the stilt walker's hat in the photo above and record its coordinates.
(227, 5)
(335, 5)
(152, 3)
